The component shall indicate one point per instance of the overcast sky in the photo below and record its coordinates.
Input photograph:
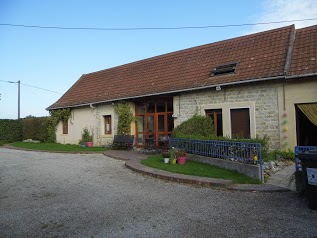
(49, 61)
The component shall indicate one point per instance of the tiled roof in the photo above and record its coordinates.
(260, 55)
(304, 57)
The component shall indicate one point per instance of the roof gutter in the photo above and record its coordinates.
(301, 76)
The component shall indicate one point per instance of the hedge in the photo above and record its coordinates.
(11, 130)
(35, 128)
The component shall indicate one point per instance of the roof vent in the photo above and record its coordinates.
(224, 69)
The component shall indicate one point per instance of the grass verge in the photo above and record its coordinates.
(56, 147)
(199, 169)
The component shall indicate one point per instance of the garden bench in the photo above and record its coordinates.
(123, 141)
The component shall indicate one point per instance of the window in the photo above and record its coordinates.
(216, 115)
(65, 126)
(224, 69)
(240, 123)
(107, 119)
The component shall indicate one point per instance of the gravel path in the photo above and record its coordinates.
(64, 195)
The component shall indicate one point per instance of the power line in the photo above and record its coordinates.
(151, 28)
(40, 88)
(32, 86)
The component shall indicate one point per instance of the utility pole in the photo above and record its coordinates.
(19, 99)
(19, 82)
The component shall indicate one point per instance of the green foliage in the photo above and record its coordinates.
(166, 154)
(125, 117)
(198, 127)
(270, 156)
(55, 117)
(11, 130)
(85, 136)
(286, 155)
(35, 128)
(2, 142)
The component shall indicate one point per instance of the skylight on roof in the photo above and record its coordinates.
(224, 69)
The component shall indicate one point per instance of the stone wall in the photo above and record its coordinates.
(260, 98)
(252, 171)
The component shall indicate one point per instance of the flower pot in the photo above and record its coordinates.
(173, 161)
(89, 144)
(181, 160)
(166, 160)
(83, 145)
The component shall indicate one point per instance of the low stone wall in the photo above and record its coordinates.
(253, 171)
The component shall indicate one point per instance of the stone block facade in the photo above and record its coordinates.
(260, 98)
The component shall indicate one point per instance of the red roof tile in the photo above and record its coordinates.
(260, 55)
(304, 57)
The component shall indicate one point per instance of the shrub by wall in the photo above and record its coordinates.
(35, 128)
(11, 130)
(198, 127)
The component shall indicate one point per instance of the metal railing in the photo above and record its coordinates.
(300, 150)
(243, 152)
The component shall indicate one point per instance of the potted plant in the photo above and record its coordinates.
(172, 156)
(86, 138)
(166, 156)
(181, 156)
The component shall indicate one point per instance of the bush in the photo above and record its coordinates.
(2, 142)
(11, 130)
(198, 127)
(35, 128)
(286, 155)
(85, 136)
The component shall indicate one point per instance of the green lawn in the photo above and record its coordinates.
(56, 147)
(199, 169)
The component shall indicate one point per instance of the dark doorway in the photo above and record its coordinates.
(306, 131)
(240, 123)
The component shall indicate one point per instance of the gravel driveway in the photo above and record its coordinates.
(64, 195)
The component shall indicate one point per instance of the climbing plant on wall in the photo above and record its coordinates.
(125, 117)
(55, 117)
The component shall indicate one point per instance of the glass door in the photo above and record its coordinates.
(151, 126)
(154, 121)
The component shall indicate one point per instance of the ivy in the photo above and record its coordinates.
(55, 117)
(125, 117)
